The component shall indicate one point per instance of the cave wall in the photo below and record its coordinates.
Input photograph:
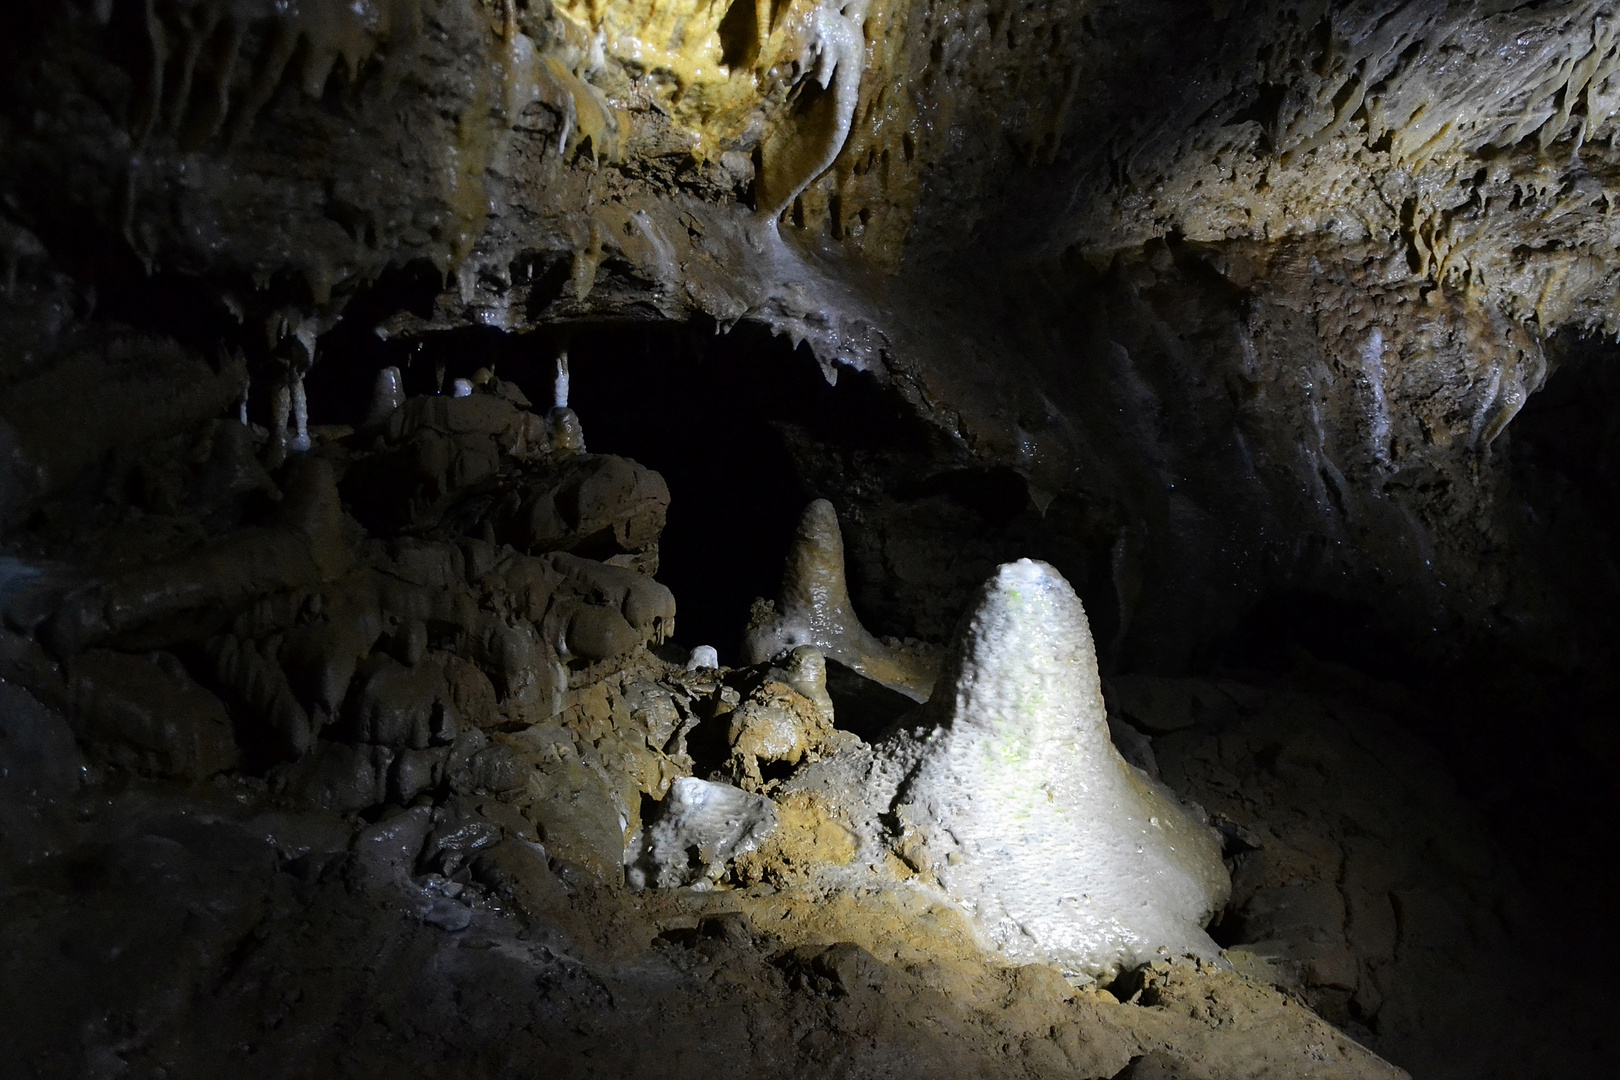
(1260, 286)
(1278, 318)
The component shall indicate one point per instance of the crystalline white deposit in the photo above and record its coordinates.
(702, 827)
(1058, 849)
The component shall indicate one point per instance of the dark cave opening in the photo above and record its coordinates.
(1566, 461)
(1566, 439)
(714, 413)
(703, 410)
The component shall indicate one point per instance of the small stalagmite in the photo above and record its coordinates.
(387, 395)
(563, 428)
(1058, 849)
(814, 608)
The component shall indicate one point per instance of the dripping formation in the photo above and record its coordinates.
(215, 64)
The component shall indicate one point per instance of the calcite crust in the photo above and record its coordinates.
(1060, 850)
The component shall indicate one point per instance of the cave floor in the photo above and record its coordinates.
(160, 929)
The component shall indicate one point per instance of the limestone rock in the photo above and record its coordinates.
(482, 465)
(274, 725)
(336, 776)
(787, 718)
(573, 807)
(603, 611)
(596, 505)
(395, 705)
(702, 828)
(156, 716)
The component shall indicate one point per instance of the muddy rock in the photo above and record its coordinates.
(148, 710)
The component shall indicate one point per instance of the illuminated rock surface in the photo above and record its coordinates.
(1059, 850)
(814, 609)
(342, 681)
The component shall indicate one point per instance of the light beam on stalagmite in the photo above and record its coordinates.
(1059, 850)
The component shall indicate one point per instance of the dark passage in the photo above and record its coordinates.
(714, 413)
(704, 411)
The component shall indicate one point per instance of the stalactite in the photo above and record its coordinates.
(203, 75)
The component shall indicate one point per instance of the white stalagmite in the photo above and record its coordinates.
(1058, 849)
(559, 383)
(280, 414)
(563, 429)
(300, 415)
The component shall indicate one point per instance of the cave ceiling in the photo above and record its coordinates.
(1271, 279)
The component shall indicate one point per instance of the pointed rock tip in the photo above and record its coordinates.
(819, 519)
(1028, 616)
(1019, 583)
(817, 557)
(1028, 572)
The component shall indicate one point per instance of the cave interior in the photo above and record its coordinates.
(507, 508)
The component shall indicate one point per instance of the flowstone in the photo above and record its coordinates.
(1029, 818)
(703, 827)
(787, 717)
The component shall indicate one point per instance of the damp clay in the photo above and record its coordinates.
(1027, 815)
(815, 609)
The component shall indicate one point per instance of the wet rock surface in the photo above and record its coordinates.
(461, 783)
(1281, 299)
(344, 727)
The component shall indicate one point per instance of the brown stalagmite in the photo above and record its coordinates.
(815, 609)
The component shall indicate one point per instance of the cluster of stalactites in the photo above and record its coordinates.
(215, 62)
(564, 433)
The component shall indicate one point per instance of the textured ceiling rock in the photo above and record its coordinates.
(1271, 278)
(1467, 145)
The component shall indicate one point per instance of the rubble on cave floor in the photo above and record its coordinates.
(386, 724)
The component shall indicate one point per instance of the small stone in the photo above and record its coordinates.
(447, 914)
